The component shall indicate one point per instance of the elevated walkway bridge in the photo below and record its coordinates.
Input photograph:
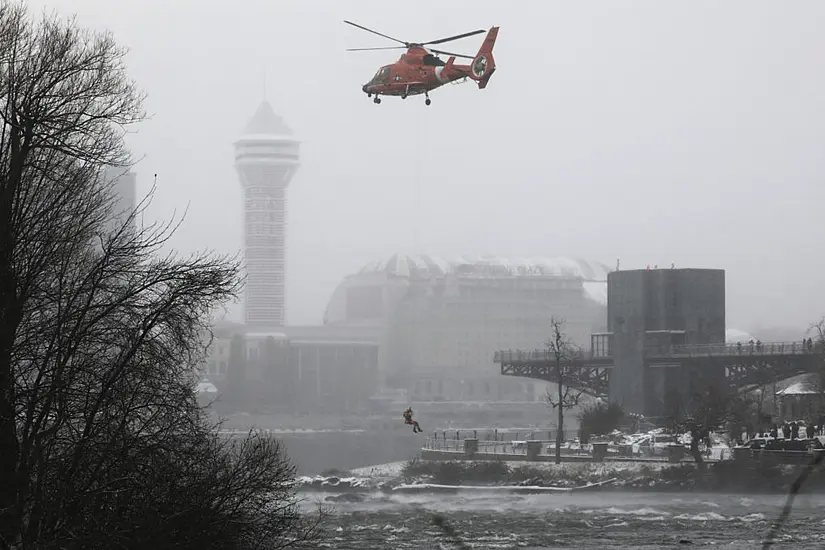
(745, 364)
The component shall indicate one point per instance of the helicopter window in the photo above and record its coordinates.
(432, 61)
(383, 74)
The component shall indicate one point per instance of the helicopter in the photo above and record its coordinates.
(420, 70)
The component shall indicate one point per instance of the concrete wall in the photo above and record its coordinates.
(689, 300)
(692, 300)
(626, 319)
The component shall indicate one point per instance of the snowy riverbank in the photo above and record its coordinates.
(417, 476)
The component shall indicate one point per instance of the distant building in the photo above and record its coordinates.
(440, 321)
(266, 159)
(423, 325)
(801, 400)
(301, 370)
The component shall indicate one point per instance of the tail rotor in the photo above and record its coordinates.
(484, 64)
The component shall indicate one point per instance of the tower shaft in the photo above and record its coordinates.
(266, 158)
(265, 252)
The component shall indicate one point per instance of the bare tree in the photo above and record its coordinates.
(818, 329)
(563, 352)
(710, 408)
(817, 344)
(757, 400)
(816, 380)
(103, 443)
(600, 418)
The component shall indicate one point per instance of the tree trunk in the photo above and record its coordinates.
(695, 438)
(10, 318)
(560, 431)
(9, 445)
(775, 403)
(760, 411)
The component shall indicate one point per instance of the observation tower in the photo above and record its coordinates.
(266, 159)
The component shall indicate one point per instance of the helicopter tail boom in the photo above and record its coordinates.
(484, 65)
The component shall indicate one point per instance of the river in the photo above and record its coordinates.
(601, 520)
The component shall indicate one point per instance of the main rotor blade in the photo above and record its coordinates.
(451, 38)
(449, 53)
(375, 32)
(384, 48)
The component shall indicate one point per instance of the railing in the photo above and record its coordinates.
(541, 355)
(519, 448)
(688, 350)
(727, 350)
(502, 435)
(504, 448)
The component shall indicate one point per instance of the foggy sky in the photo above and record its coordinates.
(654, 132)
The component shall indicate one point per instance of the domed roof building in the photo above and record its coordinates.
(441, 319)
(405, 265)
(398, 270)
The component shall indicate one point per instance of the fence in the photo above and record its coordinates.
(687, 350)
(504, 448)
(754, 348)
(504, 435)
(519, 448)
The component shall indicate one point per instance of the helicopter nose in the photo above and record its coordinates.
(364, 88)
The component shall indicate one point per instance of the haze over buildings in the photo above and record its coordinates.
(654, 133)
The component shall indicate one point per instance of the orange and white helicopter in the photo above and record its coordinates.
(419, 71)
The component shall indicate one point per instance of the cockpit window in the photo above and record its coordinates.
(383, 75)
(432, 61)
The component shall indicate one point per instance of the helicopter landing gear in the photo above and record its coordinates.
(376, 100)
(427, 101)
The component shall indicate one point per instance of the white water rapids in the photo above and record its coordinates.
(602, 520)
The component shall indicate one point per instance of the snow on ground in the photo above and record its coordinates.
(481, 488)
(601, 468)
(391, 469)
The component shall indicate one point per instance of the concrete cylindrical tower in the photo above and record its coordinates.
(266, 158)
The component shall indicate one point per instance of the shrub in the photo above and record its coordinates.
(600, 418)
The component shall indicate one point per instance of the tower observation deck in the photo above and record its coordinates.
(266, 158)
